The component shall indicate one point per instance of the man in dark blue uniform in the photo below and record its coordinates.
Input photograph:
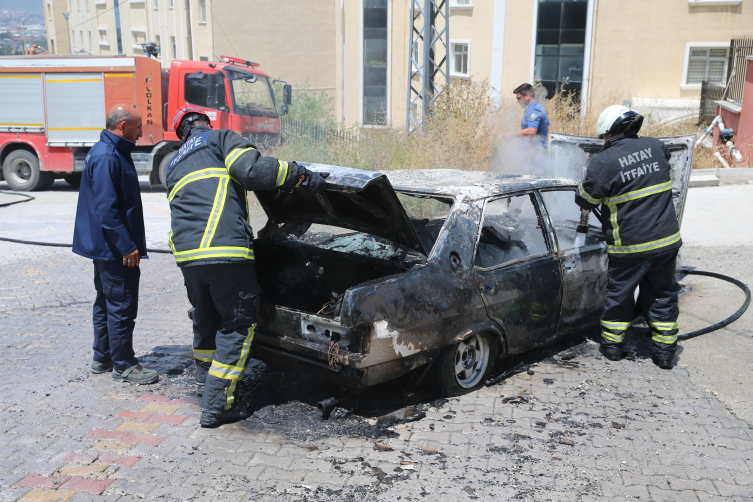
(110, 230)
(535, 122)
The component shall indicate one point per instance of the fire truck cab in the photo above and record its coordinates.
(52, 109)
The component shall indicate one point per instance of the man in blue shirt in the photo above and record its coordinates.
(535, 121)
(110, 231)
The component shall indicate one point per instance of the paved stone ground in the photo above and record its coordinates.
(575, 427)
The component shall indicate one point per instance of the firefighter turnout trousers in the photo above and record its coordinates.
(658, 293)
(225, 298)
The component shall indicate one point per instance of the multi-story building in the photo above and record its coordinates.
(181, 28)
(652, 53)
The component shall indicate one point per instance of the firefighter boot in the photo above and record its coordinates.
(611, 351)
(211, 419)
(663, 355)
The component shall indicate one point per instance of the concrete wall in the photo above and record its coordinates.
(293, 40)
(57, 35)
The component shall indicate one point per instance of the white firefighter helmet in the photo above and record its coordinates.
(617, 119)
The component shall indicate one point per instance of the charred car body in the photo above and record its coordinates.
(383, 273)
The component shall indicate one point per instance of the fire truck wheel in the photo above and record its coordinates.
(163, 168)
(21, 171)
(73, 179)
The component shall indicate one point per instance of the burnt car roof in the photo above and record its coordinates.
(468, 184)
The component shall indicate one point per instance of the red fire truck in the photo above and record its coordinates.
(52, 109)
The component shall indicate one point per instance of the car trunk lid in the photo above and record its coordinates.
(572, 154)
(353, 199)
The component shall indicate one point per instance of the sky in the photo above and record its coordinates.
(30, 6)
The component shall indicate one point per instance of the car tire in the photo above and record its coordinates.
(163, 165)
(73, 179)
(463, 366)
(21, 171)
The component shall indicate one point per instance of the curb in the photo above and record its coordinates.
(721, 176)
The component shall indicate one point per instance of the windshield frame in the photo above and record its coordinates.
(270, 89)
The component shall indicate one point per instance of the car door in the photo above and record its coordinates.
(583, 265)
(516, 271)
(569, 156)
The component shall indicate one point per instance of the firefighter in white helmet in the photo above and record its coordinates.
(630, 180)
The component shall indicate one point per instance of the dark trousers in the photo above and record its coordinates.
(656, 277)
(225, 298)
(115, 310)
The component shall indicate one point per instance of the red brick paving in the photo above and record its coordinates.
(139, 416)
(37, 481)
(166, 419)
(157, 398)
(93, 486)
(125, 437)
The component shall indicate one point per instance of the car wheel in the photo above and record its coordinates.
(163, 165)
(463, 365)
(21, 171)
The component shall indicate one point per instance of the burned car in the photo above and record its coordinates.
(383, 273)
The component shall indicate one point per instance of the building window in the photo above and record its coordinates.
(203, 58)
(560, 44)
(171, 4)
(104, 38)
(203, 11)
(91, 42)
(460, 61)
(375, 62)
(118, 34)
(706, 63)
(138, 37)
(156, 4)
(175, 47)
(461, 4)
(159, 45)
(49, 12)
(52, 46)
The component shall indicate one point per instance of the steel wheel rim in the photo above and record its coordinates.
(20, 171)
(471, 361)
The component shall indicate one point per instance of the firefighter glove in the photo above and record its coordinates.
(311, 181)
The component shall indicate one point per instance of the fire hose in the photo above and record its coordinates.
(583, 229)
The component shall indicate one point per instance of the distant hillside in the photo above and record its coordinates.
(30, 6)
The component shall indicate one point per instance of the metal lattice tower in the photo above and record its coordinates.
(430, 39)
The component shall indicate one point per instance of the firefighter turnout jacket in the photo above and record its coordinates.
(630, 179)
(207, 183)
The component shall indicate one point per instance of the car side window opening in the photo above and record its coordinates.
(511, 230)
(197, 90)
(565, 215)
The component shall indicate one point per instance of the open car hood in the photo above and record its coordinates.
(358, 200)
(575, 152)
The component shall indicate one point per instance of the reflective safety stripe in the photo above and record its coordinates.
(214, 252)
(233, 156)
(615, 325)
(582, 192)
(170, 241)
(216, 213)
(665, 326)
(646, 246)
(241, 363)
(226, 371)
(637, 194)
(615, 225)
(204, 355)
(212, 172)
(282, 172)
(668, 339)
(612, 337)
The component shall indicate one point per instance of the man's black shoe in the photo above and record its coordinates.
(611, 352)
(210, 419)
(664, 363)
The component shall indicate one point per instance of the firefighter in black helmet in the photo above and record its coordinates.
(630, 179)
(211, 239)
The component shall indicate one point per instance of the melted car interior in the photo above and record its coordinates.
(565, 214)
(308, 267)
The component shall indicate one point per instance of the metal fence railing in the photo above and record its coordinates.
(293, 129)
(740, 48)
(710, 92)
